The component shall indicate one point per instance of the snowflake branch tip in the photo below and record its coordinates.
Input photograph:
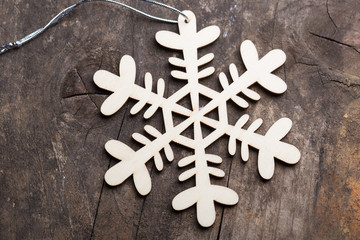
(280, 150)
(187, 37)
(124, 169)
(204, 199)
(261, 69)
(270, 145)
(121, 86)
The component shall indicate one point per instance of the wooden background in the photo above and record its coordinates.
(52, 134)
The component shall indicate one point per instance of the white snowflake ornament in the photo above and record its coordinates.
(204, 194)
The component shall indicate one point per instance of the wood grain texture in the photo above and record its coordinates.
(52, 133)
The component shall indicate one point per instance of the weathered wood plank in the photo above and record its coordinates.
(51, 173)
(52, 134)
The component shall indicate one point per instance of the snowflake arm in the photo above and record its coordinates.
(269, 145)
(189, 40)
(204, 194)
(124, 87)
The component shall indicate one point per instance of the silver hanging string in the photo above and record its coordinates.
(6, 47)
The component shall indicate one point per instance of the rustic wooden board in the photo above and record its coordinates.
(52, 133)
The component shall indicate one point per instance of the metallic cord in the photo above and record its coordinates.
(6, 47)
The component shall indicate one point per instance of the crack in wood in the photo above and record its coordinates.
(84, 94)
(349, 81)
(345, 84)
(88, 131)
(97, 208)
(223, 207)
(82, 80)
(328, 13)
(103, 185)
(335, 41)
(305, 63)
(141, 212)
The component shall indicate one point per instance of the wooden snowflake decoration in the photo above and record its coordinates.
(204, 194)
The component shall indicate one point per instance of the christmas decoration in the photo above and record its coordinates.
(204, 193)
